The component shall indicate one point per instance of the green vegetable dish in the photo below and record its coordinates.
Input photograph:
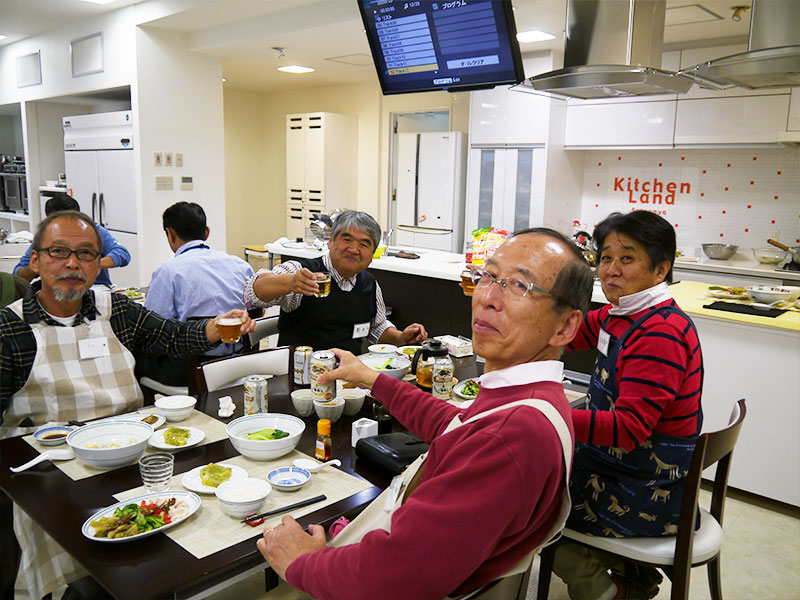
(176, 436)
(133, 519)
(470, 388)
(267, 434)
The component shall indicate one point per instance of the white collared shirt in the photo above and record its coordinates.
(532, 372)
(634, 303)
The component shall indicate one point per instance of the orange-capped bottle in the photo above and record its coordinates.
(324, 446)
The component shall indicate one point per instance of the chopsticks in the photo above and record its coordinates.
(285, 508)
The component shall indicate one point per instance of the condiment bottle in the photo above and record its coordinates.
(324, 447)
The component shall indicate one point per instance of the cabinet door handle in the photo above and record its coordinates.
(101, 210)
(94, 206)
(433, 230)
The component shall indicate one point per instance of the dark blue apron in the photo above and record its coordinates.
(637, 493)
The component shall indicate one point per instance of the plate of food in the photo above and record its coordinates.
(153, 419)
(133, 293)
(466, 390)
(205, 479)
(173, 438)
(141, 516)
(731, 293)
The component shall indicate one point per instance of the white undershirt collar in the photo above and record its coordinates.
(634, 303)
(532, 372)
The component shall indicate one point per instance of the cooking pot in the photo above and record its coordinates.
(794, 251)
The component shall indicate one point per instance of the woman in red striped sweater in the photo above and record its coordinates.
(643, 415)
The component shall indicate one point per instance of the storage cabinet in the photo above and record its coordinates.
(643, 123)
(793, 122)
(506, 116)
(321, 159)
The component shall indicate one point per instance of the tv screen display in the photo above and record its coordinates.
(455, 45)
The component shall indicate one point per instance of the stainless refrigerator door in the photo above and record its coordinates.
(81, 169)
(116, 190)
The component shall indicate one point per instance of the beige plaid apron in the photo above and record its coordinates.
(378, 515)
(62, 386)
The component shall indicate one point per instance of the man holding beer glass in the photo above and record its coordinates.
(332, 301)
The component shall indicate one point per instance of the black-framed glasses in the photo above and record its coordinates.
(63, 253)
(514, 285)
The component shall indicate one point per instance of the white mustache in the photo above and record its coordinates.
(71, 275)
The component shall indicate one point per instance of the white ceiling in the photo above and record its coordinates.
(312, 32)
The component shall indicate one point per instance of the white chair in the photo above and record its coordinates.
(676, 555)
(231, 370)
(163, 388)
(265, 327)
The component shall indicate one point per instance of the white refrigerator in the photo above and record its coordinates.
(99, 162)
(430, 190)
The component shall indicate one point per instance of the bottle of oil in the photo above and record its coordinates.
(324, 446)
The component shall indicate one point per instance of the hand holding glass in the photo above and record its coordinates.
(230, 329)
(324, 284)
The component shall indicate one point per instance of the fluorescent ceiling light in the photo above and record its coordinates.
(534, 35)
(99, 1)
(2, 37)
(295, 69)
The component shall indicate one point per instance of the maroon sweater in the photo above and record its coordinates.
(490, 492)
(659, 377)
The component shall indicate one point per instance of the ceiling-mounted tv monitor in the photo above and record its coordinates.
(454, 45)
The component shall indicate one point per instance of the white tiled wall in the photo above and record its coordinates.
(722, 195)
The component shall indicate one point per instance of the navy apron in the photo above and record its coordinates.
(628, 494)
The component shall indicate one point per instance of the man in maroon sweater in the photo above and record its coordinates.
(492, 489)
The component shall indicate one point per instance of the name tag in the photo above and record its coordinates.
(361, 330)
(602, 342)
(93, 347)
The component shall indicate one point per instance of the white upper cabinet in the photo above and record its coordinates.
(621, 124)
(506, 116)
(793, 123)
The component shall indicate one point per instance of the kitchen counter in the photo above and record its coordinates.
(740, 264)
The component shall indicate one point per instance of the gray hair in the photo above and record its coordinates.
(575, 280)
(355, 219)
(64, 214)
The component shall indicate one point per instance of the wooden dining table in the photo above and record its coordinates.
(157, 567)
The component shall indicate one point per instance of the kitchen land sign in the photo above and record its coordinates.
(663, 191)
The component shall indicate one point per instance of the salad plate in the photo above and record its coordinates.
(190, 500)
(154, 419)
(195, 437)
(191, 480)
(466, 394)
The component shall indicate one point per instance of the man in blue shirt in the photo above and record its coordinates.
(113, 253)
(196, 282)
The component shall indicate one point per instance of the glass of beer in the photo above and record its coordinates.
(230, 329)
(324, 284)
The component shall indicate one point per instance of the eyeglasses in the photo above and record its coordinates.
(62, 253)
(517, 287)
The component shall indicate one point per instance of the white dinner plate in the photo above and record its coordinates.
(726, 294)
(191, 480)
(458, 390)
(195, 437)
(140, 415)
(192, 500)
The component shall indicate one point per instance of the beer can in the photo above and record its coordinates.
(255, 395)
(322, 361)
(302, 365)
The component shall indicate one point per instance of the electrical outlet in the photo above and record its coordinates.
(157, 159)
(164, 183)
(167, 159)
(179, 159)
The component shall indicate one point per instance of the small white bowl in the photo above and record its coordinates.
(265, 449)
(794, 292)
(176, 408)
(353, 399)
(288, 479)
(242, 498)
(767, 293)
(303, 402)
(53, 435)
(330, 409)
(382, 349)
(113, 443)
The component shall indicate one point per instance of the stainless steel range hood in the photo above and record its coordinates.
(613, 48)
(773, 57)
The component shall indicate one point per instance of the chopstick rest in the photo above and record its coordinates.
(285, 508)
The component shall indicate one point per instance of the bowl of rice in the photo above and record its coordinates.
(242, 498)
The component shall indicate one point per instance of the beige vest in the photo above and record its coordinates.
(62, 386)
(378, 515)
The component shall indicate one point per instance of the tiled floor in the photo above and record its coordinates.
(760, 561)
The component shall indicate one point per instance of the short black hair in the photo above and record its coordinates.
(64, 214)
(59, 201)
(575, 280)
(653, 232)
(187, 219)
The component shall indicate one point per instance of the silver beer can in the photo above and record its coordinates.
(302, 365)
(255, 395)
(322, 361)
